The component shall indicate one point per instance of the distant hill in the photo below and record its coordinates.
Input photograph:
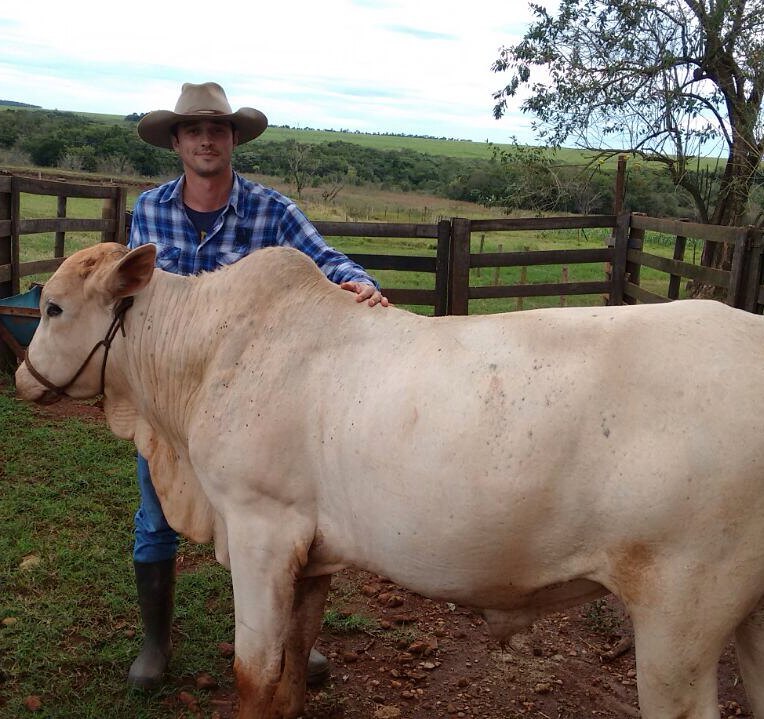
(13, 103)
(108, 144)
(428, 145)
(445, 147)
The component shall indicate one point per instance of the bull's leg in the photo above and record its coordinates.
(749, 642)
(678, 650)
(307, 616)
(263, 566)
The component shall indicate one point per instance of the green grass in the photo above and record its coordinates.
(426, 145)
(602, 617)
(344, 623)
(70, 621)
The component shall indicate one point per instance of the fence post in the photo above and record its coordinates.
(121, 233)
(618, 265)
(480, 252)
(6, 223)
(675, 281)
(459, 282)
(735, 295)
(564, 279)
(620, 185)
(755, 259)
(7, 356)
(15, 241)
(442, 263)
(497, 269)
(523, 280)
(636, 241)
(58, 249)
(114, 209)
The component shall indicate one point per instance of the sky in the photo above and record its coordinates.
(418, 67)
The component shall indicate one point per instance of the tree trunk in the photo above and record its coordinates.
(732, 202)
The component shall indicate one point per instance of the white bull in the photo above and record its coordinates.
(515, 463)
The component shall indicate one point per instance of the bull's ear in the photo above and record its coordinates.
(133, 272)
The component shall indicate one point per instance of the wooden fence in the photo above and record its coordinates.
(438, 265)
(447, 253)
(13, 226)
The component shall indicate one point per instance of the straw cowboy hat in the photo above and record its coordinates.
(205, 101)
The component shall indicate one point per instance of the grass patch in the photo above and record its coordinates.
(602, 617)
(343, 623)
(68, 606)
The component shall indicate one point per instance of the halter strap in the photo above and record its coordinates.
(117, 324)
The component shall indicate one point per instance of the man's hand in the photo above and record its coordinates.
(366, 292)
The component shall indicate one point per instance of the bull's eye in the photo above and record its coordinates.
(53, 310)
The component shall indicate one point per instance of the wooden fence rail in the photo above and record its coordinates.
(736, 284)
(624, 253)
(463, 260)
(438, 265)
(111, 226)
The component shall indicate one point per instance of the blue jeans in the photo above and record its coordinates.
(155, 540)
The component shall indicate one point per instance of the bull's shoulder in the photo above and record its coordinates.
(184, 502)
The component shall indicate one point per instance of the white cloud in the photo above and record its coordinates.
(372, 65)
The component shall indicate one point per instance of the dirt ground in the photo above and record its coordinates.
(418, 659)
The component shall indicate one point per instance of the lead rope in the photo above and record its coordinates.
(117, 324)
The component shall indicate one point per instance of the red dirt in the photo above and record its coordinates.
(421, 659)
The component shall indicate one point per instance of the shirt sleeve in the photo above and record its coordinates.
(137, 226)
(295, 230)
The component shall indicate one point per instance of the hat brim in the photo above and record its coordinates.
(155, 127)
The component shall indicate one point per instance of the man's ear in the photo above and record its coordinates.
(133, 272)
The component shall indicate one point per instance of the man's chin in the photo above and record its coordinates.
(207, 171)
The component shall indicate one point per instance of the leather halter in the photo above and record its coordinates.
(117, 324)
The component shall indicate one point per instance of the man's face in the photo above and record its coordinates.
(205, 146)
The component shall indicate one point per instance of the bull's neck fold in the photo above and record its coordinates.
(166, 348)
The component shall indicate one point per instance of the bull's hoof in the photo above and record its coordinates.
(318, 669)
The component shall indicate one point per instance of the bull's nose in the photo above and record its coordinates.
(28, 388)
(48, 397)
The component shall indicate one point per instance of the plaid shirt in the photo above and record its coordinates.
(254, 217)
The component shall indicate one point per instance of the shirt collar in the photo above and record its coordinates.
(233, 198)
(174, 193)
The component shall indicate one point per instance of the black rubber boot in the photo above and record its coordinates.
(155, 582)
(318, 668)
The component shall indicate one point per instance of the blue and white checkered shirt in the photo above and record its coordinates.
(254, 217)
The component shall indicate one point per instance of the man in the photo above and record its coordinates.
(207, 218)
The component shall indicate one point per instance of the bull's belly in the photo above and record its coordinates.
(509, 604)
(505, 575)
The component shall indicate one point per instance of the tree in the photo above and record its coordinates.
(301, 164)
(535, 181)
(670, 81)
(45, 150)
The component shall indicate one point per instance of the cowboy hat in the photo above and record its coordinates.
(200, 102)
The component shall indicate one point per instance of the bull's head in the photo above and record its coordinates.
(81, 309)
